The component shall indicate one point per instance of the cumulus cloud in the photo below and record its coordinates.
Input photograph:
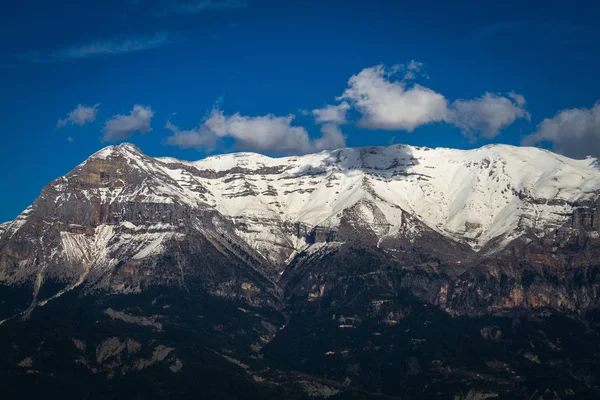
(574, 132)
(383, 101)
(392, 105)
(398, 104)
(268, 133)
(121, 127)
(335, 114)
(191, 139)
(517, 98)
(111, 47)
(79, 116)
(262, 133)
(487, 115)
(331, 138)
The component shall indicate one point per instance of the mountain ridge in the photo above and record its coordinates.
(392, 177)
(121, 206)
(128, 265)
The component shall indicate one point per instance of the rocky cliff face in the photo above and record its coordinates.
(364, 249)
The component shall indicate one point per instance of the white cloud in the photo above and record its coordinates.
(268, 133)
(383, 102)
(487, 115)
(413, 69)
(121, 127)
(100, 48)
(389, 104)
(263, 133)
(574, 132)
(329, 113)
(191, 139)
(79, 116)
(331, 138)
(393, 105)
(520, 100)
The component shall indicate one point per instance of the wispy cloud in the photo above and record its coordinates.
(197, 6)
(79, 116)
(122, 127)
(574, 132)
(486, 116)
(160, 8)
(265, 133)
(329, 113)
(100, 48)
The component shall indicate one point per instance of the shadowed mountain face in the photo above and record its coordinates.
(370, 272)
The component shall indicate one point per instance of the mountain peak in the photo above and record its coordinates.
(470, 196)
(116, 150)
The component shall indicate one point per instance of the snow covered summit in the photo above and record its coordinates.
(472, 196)
(278, 206)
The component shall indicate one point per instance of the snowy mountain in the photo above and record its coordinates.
(472, 196)
(242, 260)
(494, 193)
(123, 206)
(475, 196)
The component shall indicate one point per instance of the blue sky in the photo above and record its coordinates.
(187, 78)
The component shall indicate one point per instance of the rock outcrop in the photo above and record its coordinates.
(350, 271)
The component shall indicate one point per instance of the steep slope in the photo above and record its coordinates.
(470, 196)
(380, 271)
(117, 223)
(123, 205)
